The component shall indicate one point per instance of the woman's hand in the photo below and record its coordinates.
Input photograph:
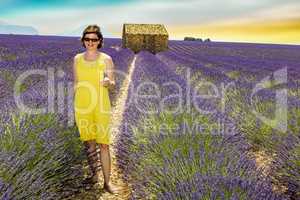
(108, 83)
(105, 82)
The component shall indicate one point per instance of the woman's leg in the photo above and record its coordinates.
(106, 168)
(93, 159)
(106, 162)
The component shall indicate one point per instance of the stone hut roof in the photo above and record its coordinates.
(147, 29)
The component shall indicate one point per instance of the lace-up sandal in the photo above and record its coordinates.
(95, 166)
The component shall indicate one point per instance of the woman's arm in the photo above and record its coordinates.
(74, 74)
(110, 72)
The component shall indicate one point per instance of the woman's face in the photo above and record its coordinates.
(91, 41)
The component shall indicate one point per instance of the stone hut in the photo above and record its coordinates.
(151, 37)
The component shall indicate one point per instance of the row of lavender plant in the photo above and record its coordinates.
(263, 99)
(228, 61)
(237, 61)
(146, 152)
(255, 52)
(60, 61)
(239, 109)
(288, 55)
(15, 47)
(285, 166)
(38, 157)
(41, 156)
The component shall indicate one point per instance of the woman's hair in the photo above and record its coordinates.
(93, 29)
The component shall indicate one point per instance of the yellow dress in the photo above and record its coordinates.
(92, 105)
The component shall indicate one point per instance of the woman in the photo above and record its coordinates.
(92, 104)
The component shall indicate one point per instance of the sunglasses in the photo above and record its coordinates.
(90, 39)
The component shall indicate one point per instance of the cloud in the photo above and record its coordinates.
(169, 12)
(278, 24)
(3, 23)
(274, 13)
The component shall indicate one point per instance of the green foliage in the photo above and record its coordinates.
(258, 133)
(38, 155)
(233, 74)
(157, 137)
(10, 77)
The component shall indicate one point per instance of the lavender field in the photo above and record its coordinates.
(203, 120)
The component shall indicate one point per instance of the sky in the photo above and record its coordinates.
(266, 21)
